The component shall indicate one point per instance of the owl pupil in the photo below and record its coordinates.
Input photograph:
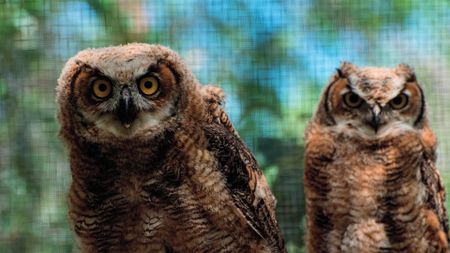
(398, 100)
(148, 85)
(102, 87)
(354, 98)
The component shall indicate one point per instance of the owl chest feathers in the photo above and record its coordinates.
(153, 197)
(117, 190)
(363, 175)
(371, 191)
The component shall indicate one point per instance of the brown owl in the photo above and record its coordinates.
(371, 181)
(156, 165)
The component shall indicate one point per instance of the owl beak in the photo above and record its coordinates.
(375, 122)
(126, 111)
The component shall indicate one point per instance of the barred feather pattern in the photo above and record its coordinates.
(176, 198)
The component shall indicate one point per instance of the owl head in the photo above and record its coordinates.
(373, 102)
(124, 92)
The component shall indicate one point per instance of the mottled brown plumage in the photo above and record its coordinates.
(156, 164)
(370, 178)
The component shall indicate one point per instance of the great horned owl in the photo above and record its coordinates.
(371, 181)
(156, 166)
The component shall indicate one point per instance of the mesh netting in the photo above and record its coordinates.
(272, 57)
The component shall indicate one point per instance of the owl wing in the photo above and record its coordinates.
(246, 183)
(435, 194)
(214, 98)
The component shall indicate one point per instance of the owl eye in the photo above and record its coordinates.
(101, 88)
(352, 100)
(149, 85)
(399, 102)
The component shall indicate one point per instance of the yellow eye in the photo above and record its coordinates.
(399, 102)
(149, 85)
(101, 88)
(352, 100)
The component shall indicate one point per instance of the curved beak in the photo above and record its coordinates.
(375, 120)
(126, 111)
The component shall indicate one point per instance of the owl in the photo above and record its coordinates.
(371, 181)
(156, 164)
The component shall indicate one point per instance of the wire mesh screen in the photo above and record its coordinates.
(272, 57)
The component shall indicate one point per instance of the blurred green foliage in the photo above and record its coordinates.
(36, 38)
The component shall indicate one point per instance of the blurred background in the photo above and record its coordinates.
(272, 57)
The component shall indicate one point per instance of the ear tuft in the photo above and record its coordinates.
(340, 74)
(406, 71)
(346, 69)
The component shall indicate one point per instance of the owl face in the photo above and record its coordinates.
(373, 102)
(123, 91)
(126, 104)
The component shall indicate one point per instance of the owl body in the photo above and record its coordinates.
(157, 169)
(370, 178)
